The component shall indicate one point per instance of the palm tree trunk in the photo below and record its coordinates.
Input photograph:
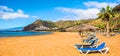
(108, 29)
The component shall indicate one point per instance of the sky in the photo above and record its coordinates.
(19, 13)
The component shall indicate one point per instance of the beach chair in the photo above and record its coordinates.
(90, 40)
(95, 39)
(89, 37)
(85, 46)
(100, 48)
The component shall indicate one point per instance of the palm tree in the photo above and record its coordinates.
(106, 14)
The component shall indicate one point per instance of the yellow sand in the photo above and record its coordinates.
(56, 44)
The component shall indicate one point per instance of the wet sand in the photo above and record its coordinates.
(56, 44)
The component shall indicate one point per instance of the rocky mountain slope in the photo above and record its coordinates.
(40, 25)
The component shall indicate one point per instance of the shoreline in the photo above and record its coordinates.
(26, 35)
(55, 44)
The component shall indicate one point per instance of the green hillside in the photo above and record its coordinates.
(48, 25)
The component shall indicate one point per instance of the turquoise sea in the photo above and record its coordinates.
(20, 33)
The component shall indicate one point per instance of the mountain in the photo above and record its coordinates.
(16, 28)
(117, 8)
(13, 29)
(40, 25)
(65, 24)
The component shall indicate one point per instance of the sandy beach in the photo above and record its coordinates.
(55, 44)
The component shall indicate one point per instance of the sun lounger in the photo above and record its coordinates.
(90, 40)
(84, 46)
(90, 37)
(100, 48)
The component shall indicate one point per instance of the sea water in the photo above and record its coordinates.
(20, 33)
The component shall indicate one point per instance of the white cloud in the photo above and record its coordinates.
(69, 18)
(35, 17)
(8, 13)
(93, 8)
(99, 4)
(79, 13)
(4, 8)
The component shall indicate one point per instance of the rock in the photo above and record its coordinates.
(40, 25)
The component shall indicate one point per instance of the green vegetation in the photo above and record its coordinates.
(106, 14)
(108, 19)
(114, 22)
(65, 24)
(49, 24)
